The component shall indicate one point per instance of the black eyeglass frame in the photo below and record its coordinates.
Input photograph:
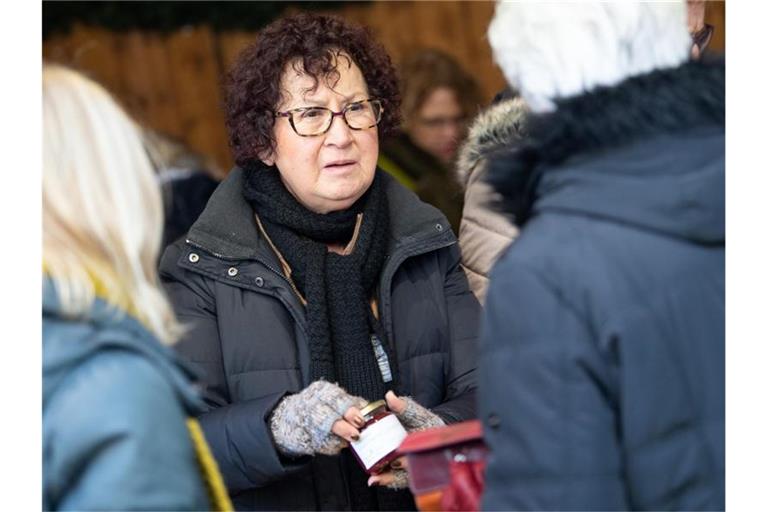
(342, 113)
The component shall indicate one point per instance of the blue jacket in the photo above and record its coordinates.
(115, 403)
(602, 351)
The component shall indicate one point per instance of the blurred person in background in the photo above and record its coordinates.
(485, 232)
(604, 320)
(314, 282)
(438, 99)
(117, 432)
(186, 180)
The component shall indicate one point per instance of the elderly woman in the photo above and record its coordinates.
(605, 320)
(314, 282)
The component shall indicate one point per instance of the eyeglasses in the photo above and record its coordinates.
(311, 121)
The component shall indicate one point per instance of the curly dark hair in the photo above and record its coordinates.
(313, 42)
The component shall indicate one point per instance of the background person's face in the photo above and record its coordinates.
(438, 125)
(326, 172)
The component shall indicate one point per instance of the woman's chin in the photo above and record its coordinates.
(339, 198)
(344, 185)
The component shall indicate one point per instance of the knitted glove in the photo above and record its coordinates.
(415, 417)
(301, 423)
(401, 479)
(395, 477)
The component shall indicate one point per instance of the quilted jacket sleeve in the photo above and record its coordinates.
(238, 433)
(545, 400)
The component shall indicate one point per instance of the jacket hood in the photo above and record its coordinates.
(69, 342)
(649, 152)
(495, 129)
(227, 226)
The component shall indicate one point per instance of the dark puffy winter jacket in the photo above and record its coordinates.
(602, 353)
(249, 335)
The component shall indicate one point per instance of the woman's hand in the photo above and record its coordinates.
(322, 418)
(413, 416)
(347, 427)
(396, 477)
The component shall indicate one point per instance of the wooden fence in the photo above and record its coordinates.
(172, 82)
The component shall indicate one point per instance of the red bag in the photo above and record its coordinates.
(446, 466)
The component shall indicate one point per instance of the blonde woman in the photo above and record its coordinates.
(115, 399)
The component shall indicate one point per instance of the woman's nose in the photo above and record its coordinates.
(339, 134)
(451, 131)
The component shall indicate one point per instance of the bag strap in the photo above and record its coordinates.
(217, 491)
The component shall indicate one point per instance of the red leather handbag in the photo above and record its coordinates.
(446, 466)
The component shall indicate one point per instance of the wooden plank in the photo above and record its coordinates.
(90, 50)
(173, 82)
(230, 44)
(715, 16)
(477, 16)
(193, 64)
(162, 110)
(143, 66)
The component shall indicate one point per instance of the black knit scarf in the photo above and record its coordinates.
(338, 290)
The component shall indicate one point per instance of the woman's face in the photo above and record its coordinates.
(438, 125)
(327, 172)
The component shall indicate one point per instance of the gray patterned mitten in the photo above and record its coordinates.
(415, 417)
(301, 423)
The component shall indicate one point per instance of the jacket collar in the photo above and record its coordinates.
(588, 131)
(497, 128)
(227, 227)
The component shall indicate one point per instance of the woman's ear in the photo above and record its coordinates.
(268, 157)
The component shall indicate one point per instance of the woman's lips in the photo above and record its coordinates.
(340, 166)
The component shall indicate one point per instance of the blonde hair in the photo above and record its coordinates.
(556, 50)
(102, 209)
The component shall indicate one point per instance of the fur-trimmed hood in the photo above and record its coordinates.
(496, 128)
(647, 152)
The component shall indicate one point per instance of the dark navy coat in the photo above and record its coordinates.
(602, 352)
(248, 332)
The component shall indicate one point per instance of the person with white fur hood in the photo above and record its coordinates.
(604, 321)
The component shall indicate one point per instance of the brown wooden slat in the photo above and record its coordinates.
(479, 61)
(92, 51)
(716, 17)
(193, 65)
(148, 82)
(173, 82)
(231, 44)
